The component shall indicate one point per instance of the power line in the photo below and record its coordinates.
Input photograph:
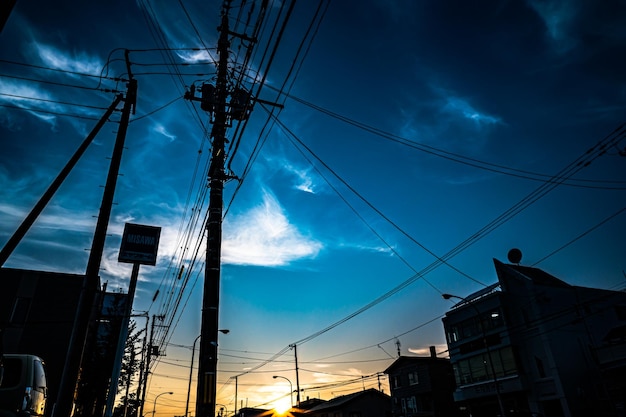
(36, 110)
(17, 77)
(52, 101)
(578, 164)
(476, 163)
(580, 236)
(63, 71)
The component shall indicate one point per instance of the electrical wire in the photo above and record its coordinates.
(574, 167)
(63, 71)
(465, 160)
(38, 110)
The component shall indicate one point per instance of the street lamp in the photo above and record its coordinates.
(484, 334)
(155, 400)
(193, 351)
(290, 388)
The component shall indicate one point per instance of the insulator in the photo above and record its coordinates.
(208, 97)
(239, 104)
(191, 94)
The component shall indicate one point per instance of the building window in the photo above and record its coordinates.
(413, 378)
(396, 381)
(412, 405)
(475, 326)
(453, 334)
(478, 368)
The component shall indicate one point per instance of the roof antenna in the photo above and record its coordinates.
(398, 346)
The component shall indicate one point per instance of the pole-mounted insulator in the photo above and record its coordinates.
(239, 104)
(208, 97)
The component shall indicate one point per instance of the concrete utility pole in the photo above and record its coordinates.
(207, 366)
(295, 353)
(86, 308)
(215, 101)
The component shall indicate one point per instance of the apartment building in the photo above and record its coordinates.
(532, 344)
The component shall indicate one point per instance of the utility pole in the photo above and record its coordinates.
(151, 351)
(295, 352)
(215, 101)
(86, 309)
(207, 364)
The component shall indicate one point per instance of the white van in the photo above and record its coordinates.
(23, 388)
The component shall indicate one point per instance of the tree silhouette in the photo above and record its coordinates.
(129, 404)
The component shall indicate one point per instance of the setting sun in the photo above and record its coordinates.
(282, 406)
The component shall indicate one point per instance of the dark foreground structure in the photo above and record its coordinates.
(534, 345)
(37, 316)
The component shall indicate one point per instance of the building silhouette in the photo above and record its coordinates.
(538, 346)
(422, 386)
(367, 403)
(37, 315)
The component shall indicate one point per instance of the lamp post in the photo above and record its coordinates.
(486, 345)
(290, 388)
(193, 351)
(155, 400)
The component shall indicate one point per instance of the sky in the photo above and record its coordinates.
(408, 145)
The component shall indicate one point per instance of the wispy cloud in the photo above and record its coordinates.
(29, 98)
(159, 128)
(264, 236)
(557, 15)
(460, 106)
(304, 178)
(77, 62)
(425, 351)
(196, 56)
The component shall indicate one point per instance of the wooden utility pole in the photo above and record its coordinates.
(207, 366)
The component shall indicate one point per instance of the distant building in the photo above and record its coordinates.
(538, 346)
(37, 312)
(254, 412)
(422, 386)
(368, 403)
(37, 315)
(309, 403)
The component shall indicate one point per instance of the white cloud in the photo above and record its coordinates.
(159, 128)
(18, 95)
(263, 236)
(56, 58)
(15, 93)
(305, 180)
(193, 57)
(459, 106)
(31, 99)
(425, 351)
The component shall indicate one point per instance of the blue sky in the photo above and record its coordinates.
(408, 129)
